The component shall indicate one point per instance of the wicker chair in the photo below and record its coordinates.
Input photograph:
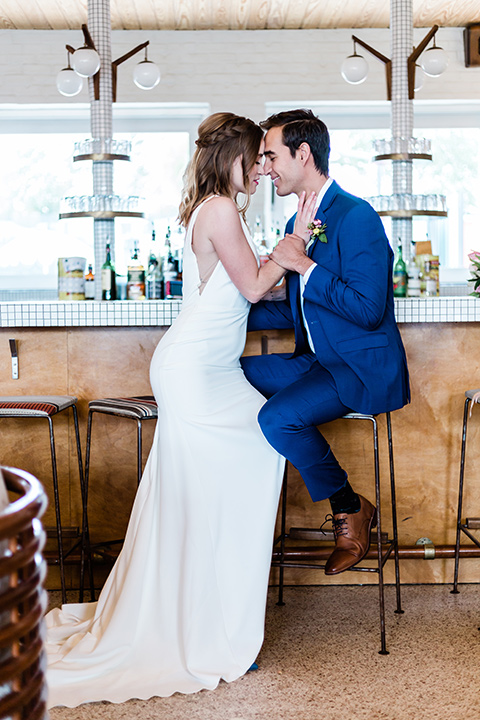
(22, 599)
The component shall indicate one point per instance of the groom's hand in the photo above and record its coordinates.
(290, 254)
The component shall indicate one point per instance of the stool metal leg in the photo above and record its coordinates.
(393, 497)
(381, 594)
(460, 495)
(283, 523)
(83, 545)
(139, 451)
(85, 528)
(57, 511)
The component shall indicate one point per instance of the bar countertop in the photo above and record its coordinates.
(161, 313)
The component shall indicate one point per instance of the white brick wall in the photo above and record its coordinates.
(238, 71)
(231, 70)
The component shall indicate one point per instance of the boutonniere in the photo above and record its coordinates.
(317, 230)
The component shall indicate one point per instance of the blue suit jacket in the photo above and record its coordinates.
(348, 305)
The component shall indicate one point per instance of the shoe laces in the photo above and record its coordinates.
(339, 525)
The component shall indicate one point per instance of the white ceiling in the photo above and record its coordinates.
(233, 14)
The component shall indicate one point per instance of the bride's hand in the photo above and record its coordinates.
(305, 215)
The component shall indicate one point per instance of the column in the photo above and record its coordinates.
(401, 28)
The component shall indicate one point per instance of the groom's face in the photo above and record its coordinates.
(285, 171)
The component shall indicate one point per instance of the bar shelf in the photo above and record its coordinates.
(102, 150)
(100, 157)
(101, 214)
(411, 213)
(101, 206)
(403, 156)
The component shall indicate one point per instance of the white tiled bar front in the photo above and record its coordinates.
(161, 313)
(121, 313)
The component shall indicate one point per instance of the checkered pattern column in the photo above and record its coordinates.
(99, 25)
(401, 29)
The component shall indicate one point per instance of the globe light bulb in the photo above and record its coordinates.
(86, 61)
(434, 61)
(68, 82)
(146, 75)
(354, 69)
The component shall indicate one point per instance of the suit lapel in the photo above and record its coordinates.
(322, 210)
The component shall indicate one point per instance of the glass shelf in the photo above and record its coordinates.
(101, 214)
(403, 156)
(100, 157)
(98, 205)
(412, 213)
(402, 146)
(408, 204)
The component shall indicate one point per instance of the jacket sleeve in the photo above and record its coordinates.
(270, 315)
(359, 293)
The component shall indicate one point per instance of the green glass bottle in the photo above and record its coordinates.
(400, 274)
(109, 286)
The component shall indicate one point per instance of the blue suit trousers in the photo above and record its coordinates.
(301, 395)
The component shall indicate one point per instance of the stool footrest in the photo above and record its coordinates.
(72, 531)
(296, 533)
(473, 523)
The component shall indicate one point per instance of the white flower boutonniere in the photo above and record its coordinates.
(317, 230)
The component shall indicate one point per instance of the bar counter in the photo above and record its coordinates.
(94, 350)
(155, 313)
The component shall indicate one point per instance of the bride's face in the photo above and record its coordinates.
(253, 176)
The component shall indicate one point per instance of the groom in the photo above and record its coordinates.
(348, 352)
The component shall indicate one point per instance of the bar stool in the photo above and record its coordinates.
(45, 407)
(471, 397)
(299, 557)
(139, 408)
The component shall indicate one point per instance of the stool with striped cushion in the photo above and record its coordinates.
(45, 407)
(139, 408)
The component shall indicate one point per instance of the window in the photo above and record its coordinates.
(38, 171)
(454, 132)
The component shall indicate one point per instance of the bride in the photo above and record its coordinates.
(184, 606)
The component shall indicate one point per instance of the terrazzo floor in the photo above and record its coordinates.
(320, 661)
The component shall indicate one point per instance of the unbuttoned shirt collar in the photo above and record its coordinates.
(320, 197)
(304, 278)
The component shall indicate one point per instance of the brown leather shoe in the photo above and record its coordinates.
(352, 537)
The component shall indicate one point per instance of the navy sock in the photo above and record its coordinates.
(345, 500)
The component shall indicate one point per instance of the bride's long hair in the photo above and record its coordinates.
(222, 137)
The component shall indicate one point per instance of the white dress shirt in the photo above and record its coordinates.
(304, 278)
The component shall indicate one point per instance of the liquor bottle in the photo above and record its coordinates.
(109, 286)
(400, 275)
(155, 284)
(179, 261)
(263, 251)
(89, 284)
(258, 232)
(413, 284)
(430, 280)
(413, 275)
(154, 281)
(170, 265)
(260, 241)
(135, 277)
(278, 234)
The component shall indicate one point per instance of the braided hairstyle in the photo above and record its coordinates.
(222, 138)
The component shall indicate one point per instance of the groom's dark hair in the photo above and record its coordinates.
(300, 126)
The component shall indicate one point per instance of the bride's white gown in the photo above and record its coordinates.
(184, 606)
